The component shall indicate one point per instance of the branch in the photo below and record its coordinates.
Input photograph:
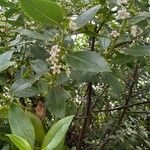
(122, 107)
(135, 74)
(89, 101)
(140, 112)
(86, 116)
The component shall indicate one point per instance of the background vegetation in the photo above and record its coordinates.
(78, 63)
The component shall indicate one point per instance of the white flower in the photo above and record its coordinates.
(54, 54)
(143, 13)
(114, 34)
(120, 2)
(123, 14)
(134, 30)
(55, 49)
(72, 25)
(53, 60)
(68, 72)
(56, 69)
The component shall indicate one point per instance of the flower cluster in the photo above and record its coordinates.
(120, 2)
(134, 30)
(114, 34)
(123, 14)
(54, 54)
(72, 25)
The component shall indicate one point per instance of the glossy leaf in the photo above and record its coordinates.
(39, 66)
(138, 51)
(39, 130)
(5, 60)
(83, 76)
(27, 92)
(21, 143)
(55, 101)
(87, 16)
(32, 34)
(43, 11)
(56, 134)
(88, 61)
(21, 84)
(20, 124)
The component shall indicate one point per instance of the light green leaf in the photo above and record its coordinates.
(21, 143)
(87, 16)
(4, 111)
(55, 101)
(5, 60)
(56, 134)
(104, 42)
(32, 34)
(138, 51)
(39, 130)
(43, 11)
(88, 61)
(20, 124)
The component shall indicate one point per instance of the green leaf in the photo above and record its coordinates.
(88, 61)
(6, 147)
(87, 16)
(5, 60)
(55, 101)
(4, 111)
(32, 34)
(122, 59)
(5, 3)
(139, 18)
(83, 76)
(39, 66)
(27, 92)
(62, 79)
(109, 79)
(56, 134)
(20, 124)
(21, 84)
(39, 130)
(39, 52)
(148, 143)
(43, 11)
(138, 51)
(104, 42)
(21, 143)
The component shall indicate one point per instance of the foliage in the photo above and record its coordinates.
(81, 59)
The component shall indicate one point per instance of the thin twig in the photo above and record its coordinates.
(122, 107)
(127, 100)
